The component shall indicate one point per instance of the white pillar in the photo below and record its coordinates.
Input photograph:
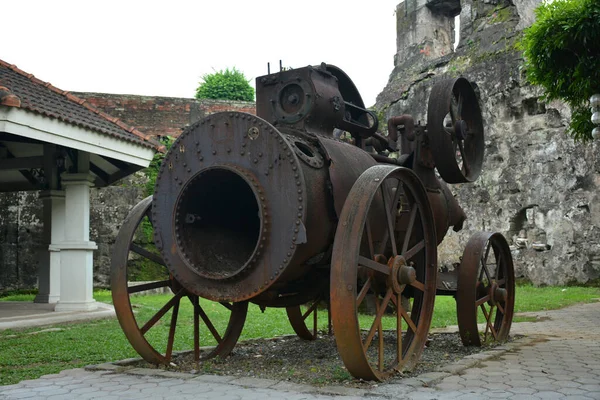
(49, 258)
(76, 251)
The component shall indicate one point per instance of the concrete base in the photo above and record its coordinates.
(24, 314)
(76, 306)
(45, 298)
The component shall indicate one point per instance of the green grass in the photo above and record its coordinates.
(24, 355)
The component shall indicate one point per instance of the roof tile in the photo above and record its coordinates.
(43, 98)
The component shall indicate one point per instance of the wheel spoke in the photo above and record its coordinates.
(195, 303)
(148, 214)
(370, 239)
(379, 314)
(480, 277)
(386, 234)
(380, 348)
(398, 327)
(161, 312)
(454, 115)
(311, 309)
(172, 328)
(466, 167)
(414, 250)
(208, 323)
(409, 229)
(148, 286)
(485, 270)
(418, 285)
(390, 222)
(500, 308)
(147, 254)
(488, 324)
(408, 320)
(315, 322)
(482, 300)
(363, 292)
(374, 265)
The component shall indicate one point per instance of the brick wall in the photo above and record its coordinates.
(160, 116)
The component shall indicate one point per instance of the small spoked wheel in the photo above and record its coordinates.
(455, 128)
(304, 320)
(486, 289)
(151, 335)
(384, 250)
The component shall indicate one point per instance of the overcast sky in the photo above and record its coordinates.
(163, 48)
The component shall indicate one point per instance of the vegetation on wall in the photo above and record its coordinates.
(151, 171)
(140, 268)
(229, 84)
(562, 54)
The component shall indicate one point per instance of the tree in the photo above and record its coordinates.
(562, 54)
(225, 85)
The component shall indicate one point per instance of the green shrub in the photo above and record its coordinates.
(225, 85)
(562, 54)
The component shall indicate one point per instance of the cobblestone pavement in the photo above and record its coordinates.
(559, 358)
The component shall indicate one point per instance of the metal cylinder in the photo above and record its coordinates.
(231, 207)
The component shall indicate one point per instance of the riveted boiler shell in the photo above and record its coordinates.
(229, 208)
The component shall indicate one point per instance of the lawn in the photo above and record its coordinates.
(30, 353)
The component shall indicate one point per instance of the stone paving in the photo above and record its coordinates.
(559, 358)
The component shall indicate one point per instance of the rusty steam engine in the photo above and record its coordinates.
(276, 209)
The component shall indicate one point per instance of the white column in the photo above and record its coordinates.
(49, 258)
(76, 251)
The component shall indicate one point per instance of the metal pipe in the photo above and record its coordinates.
(409, 127)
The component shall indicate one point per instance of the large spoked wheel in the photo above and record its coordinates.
(385, 248)
(304, 320)
(148, 336)
(486, 287)
(455, 128)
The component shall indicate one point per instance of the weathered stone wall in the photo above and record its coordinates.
(20, 233)
(21, 213)
(161, 116)
(21, 230)
(538, 187)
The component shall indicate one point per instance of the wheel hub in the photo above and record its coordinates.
(401, 273)
(460, 129)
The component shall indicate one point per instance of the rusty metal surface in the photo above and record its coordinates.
(447, 282)
(273, 209)
(346, 164)
(455, 128)
(305, 321)
(486, 287)
(135, 331)
(404, 265)
(307, 99)
(230, 206)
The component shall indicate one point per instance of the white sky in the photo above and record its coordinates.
(163, 48)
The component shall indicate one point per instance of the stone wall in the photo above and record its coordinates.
(21, 230)
(20, 233)
(538, 187)
(161, 116)
(20, 213)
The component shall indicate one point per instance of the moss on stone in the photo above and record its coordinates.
(499, 15)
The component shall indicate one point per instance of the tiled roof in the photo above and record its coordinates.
(43, 98)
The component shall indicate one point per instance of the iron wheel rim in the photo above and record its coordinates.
(134, 331)
(346, 297)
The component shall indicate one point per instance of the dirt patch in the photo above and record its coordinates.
(311, 362)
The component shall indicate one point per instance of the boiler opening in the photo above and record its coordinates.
(218, 222)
